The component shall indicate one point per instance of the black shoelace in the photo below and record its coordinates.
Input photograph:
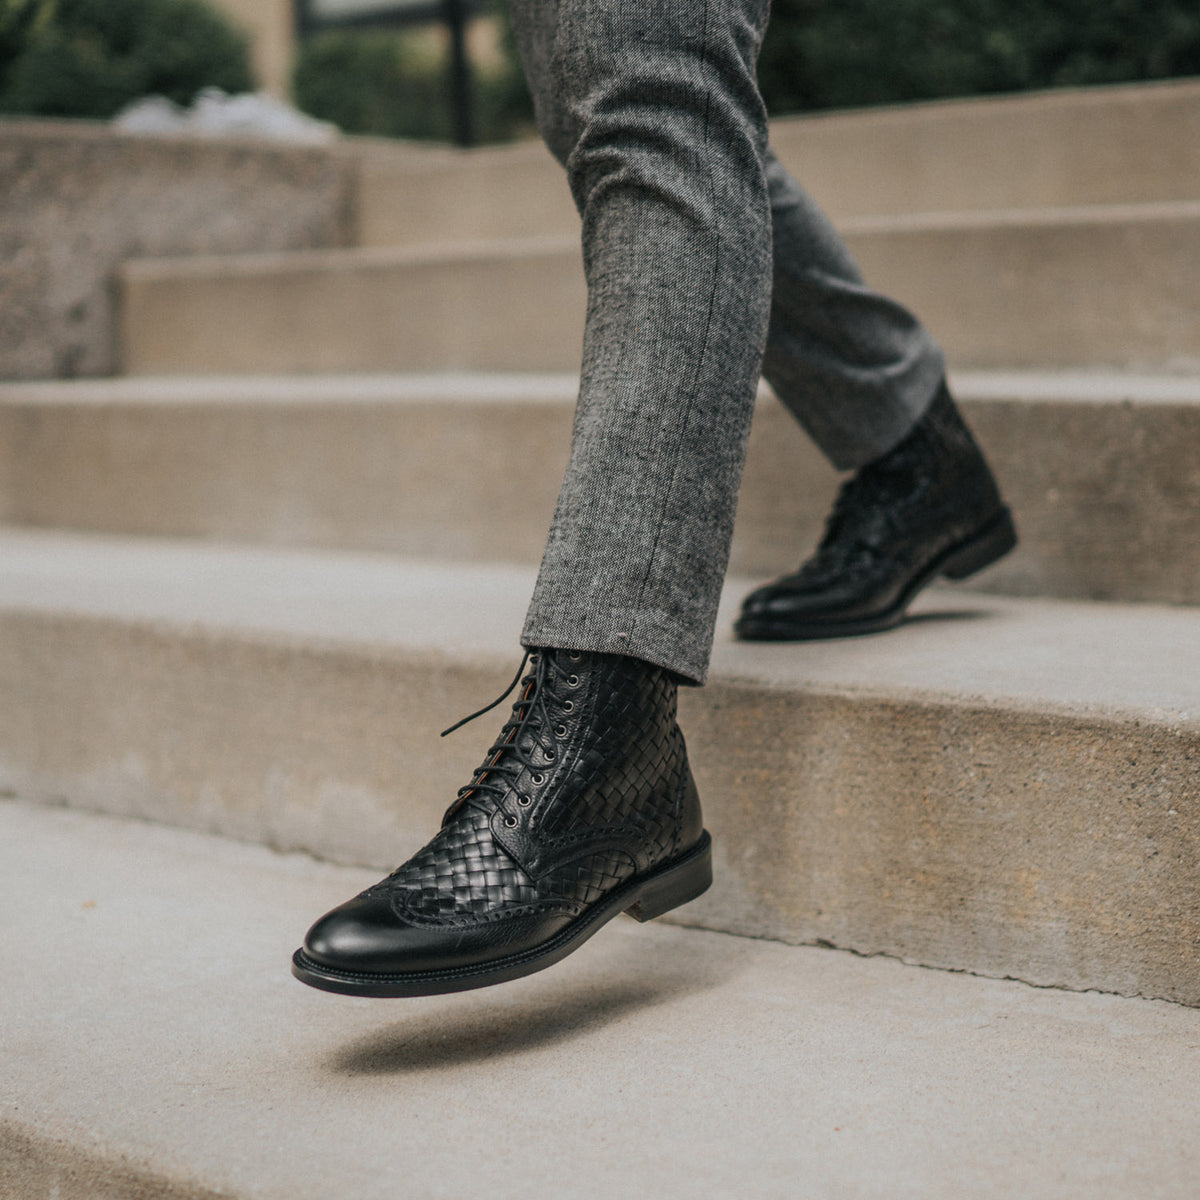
(518, 742)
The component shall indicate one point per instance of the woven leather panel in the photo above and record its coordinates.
(461, 872)
(597, 805)
(585, 881)
(621, 768)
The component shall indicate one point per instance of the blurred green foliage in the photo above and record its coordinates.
(817, 54)
(377, 83)
(88, 58)
(395, 83)
(845, 53)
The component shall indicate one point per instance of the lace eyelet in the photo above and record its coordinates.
(572, 681)
(538, 779)
(550, 755)
(574, 655)
(524, 801)
(560, 731)
(510, 821)
(568, 706)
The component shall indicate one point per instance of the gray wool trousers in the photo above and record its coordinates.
(706, 266)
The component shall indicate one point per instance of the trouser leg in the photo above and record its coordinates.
(856, 369)
(654, 110)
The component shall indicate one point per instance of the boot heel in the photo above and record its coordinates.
(993, 543)
(676, 885)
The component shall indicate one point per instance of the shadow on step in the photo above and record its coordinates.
(936, 616)
(619, 981)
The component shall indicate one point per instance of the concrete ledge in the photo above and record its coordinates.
(1130, 144)
(418, 465)
(504, 306)
(1046, 288)
(982, 789)
(198, 1068)
(498, 192)
(1099, 468)
(1037, 289)
(78, 198)
(1117, 145)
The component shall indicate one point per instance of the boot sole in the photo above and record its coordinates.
(984, 547)
(643, 898)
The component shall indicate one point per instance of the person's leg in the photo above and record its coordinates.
(866, 380)
(584, 806)
(655, 112)
(856, 369)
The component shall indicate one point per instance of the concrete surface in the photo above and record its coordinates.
(1009, 787)
(492, 192)
(506, 306)
(1116, 145)
(1029, 288)
(1130, 144)
(419, 465)
(1067, 287)
(1102, 469)
(157, 1047)
(78, 198)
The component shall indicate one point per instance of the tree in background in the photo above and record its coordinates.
(382, 83)
(395, 83)
(847, 53)
(818, 54)
(88, 58)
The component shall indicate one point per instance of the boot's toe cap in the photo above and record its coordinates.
(773, 599)
(360, 935)
(366, 936)
(834, 600)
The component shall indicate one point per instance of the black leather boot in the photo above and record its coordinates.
(584, 808)
(928, 508)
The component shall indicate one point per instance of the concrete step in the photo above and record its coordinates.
(1105, 285)
(156, 1047)
(1007, 787)
(1119, 145)
(493, 192)
(1101, 469)
(502, 305)
(80, 196)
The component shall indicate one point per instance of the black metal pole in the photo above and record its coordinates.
(301, 19)
(461, 98)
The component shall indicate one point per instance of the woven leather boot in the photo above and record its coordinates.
(928, 508)
(584, 808)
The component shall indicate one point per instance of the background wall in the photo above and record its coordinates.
(270, 26)
(78, 199)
